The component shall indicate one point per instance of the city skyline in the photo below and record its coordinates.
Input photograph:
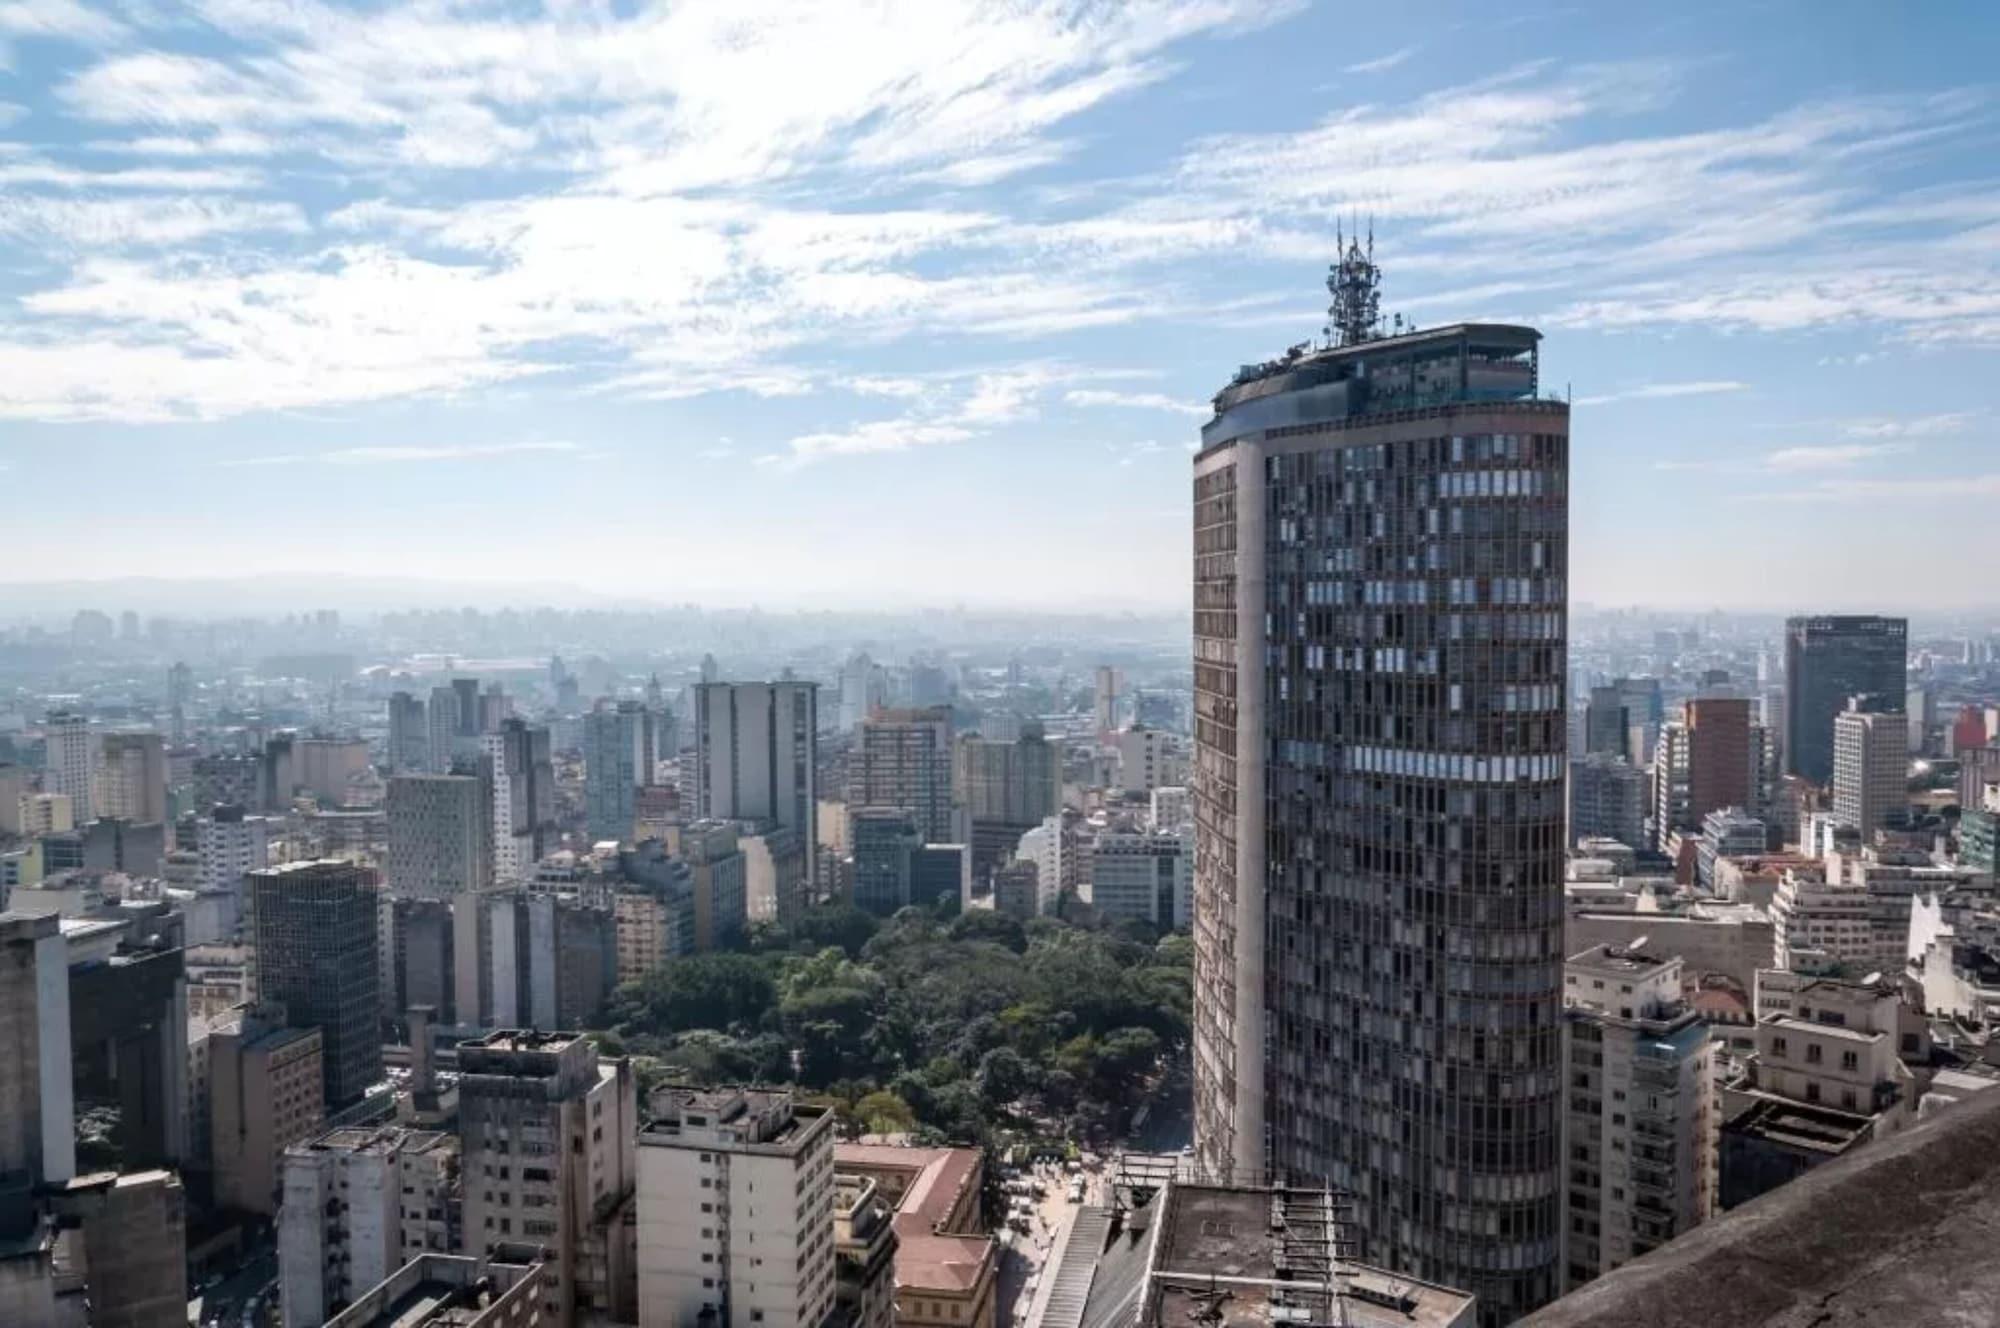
(700, 313)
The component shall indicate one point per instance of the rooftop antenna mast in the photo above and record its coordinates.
(1355, 284)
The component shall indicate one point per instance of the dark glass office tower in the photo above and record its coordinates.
(315, 928)
(1828, 661)
(1379, 590)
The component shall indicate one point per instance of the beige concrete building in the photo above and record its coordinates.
(736, 1211)
(1839, 1043)
(1871, 765)
(266, 1086)
(131, 777)
(46, 814)
(1639, 1131)
(547, 1128)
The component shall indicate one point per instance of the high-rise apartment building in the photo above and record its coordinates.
(1380, 590)
(735, 1211)
(524, 798)
(441, 736)
(315, 928)
(1828, 662)
(618, 756)
(1105, 700)
(756, 752)
(132, 777)
(546, 1129)
(229, 844)
(1871, 768)
(266, 1091)
(1721, 769)
(440, 830)
(69, 765)
(1639, 1138)
(905, 761)
(531, 959)
(1712, 758)
(1607, 800)
(359, 1203)
(409, 750)
(1007, 789)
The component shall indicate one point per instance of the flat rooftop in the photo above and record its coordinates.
(1290, 1255)
(1814, 1129)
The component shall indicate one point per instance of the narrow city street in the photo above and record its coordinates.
(1023, 1254)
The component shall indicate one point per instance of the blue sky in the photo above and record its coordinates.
(913, 303)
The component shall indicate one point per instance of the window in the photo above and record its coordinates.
(1778, 1047)
(1850, 1060)
(1813, 1053)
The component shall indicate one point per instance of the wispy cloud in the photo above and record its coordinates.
(66, 19)
(1136, 400)
(1834, 457)
(1381, 64)
(1916, 426)
(1928, 489)
(863, 439)
(1788, 460)
(394, 455)
(1656, 391)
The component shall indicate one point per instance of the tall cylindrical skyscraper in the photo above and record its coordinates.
(1381, 554)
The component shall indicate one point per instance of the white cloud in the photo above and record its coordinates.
(863, 439)
(399, 454)
(1917, 426)
(1381, 64)
(368, 456)
(65, 19)
(1136, 400)
(118, 223)
(1833, 457)
(1943, 488)
(1655, 391)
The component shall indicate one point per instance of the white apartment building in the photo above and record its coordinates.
(520, 767)
(546, 1129)
(1147, 760)
(358, 1204)
(1871, 764)
(1816, 921)
(229, 845)
(1052, 848)
(736, 1212)
(1640, 1127)
(1144, 876)
(70, 766)
(1836, 1043)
